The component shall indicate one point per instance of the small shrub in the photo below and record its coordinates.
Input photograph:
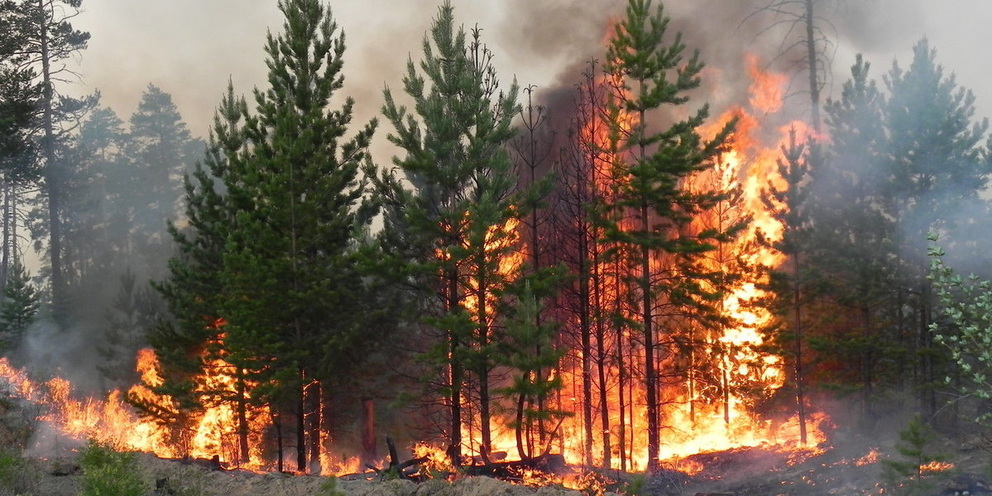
(109, 473)
(17, 476)
(909, 475)
(330, 488)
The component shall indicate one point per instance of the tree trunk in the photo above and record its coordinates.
(52, 176)
(8, 218)
(586, 331)
(242, 413)
(301, 426)
(800, 378)
(485, 415)
(277, 423)
(814, 80)
(368, 432)
(316, 425)
(650, 379)
(455, 375)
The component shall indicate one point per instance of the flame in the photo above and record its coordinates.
(767, 87)
(936, 466)
(869, 458)
(694, 422)
(114, 421)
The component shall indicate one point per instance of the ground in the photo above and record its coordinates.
(741, 472)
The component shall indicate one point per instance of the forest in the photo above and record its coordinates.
(613, 270)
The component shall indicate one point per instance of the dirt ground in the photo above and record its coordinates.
(741, 472)
(172, 477)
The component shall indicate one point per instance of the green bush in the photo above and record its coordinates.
(107, 472)
(17, 476)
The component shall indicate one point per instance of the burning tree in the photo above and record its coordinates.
(457, 222)
(651, 209)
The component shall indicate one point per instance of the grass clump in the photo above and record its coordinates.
(107, 472)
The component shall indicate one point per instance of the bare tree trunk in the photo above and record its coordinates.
(52, 176)
(301, 426)
(814, 80)
(368, 432)
(800, 378)
(315, 397)
(455, 376)
(8, 225)
(242, 414)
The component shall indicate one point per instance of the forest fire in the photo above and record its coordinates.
(711, 408)
(701, 378)
(710, 411)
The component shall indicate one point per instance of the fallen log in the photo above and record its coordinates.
(547, 463)
(409, 469)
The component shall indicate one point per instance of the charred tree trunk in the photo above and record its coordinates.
(301, 425)
(316, 425)
(241, 408)
(368, 431)
(455, 376)
(604, 400)
(523, 449)
(650, 376)
(485, 415)
(623, 381)
(277, 423)
(585, 331)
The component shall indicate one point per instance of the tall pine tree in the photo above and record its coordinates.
(458, 219)
(652, 208)
(289, 270)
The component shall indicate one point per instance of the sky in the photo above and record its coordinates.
(190, 48)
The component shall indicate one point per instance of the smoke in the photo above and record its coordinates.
(48, 351)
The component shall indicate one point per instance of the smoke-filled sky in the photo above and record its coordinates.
(189, 48)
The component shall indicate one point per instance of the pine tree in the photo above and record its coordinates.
(130, 316)
(193, 291)
(791, 207)
(159, 150)
(19, 308)
(289, 257)
(19, 100)
(529, 350)
(459, 217)
(50, 40)
(936, 169)
(653, 74)
(855, 251)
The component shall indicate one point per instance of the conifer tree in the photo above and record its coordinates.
(855, 254)
(193, 291)
(51, 39)
(459, 216)
(19, 100)
(790, 206)
(653, 74)
(936, 168)
(288, 262)
(20, 306)
(159, 150)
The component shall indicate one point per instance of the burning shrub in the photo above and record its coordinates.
(107, 472)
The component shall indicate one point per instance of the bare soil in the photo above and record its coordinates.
(740, 472)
